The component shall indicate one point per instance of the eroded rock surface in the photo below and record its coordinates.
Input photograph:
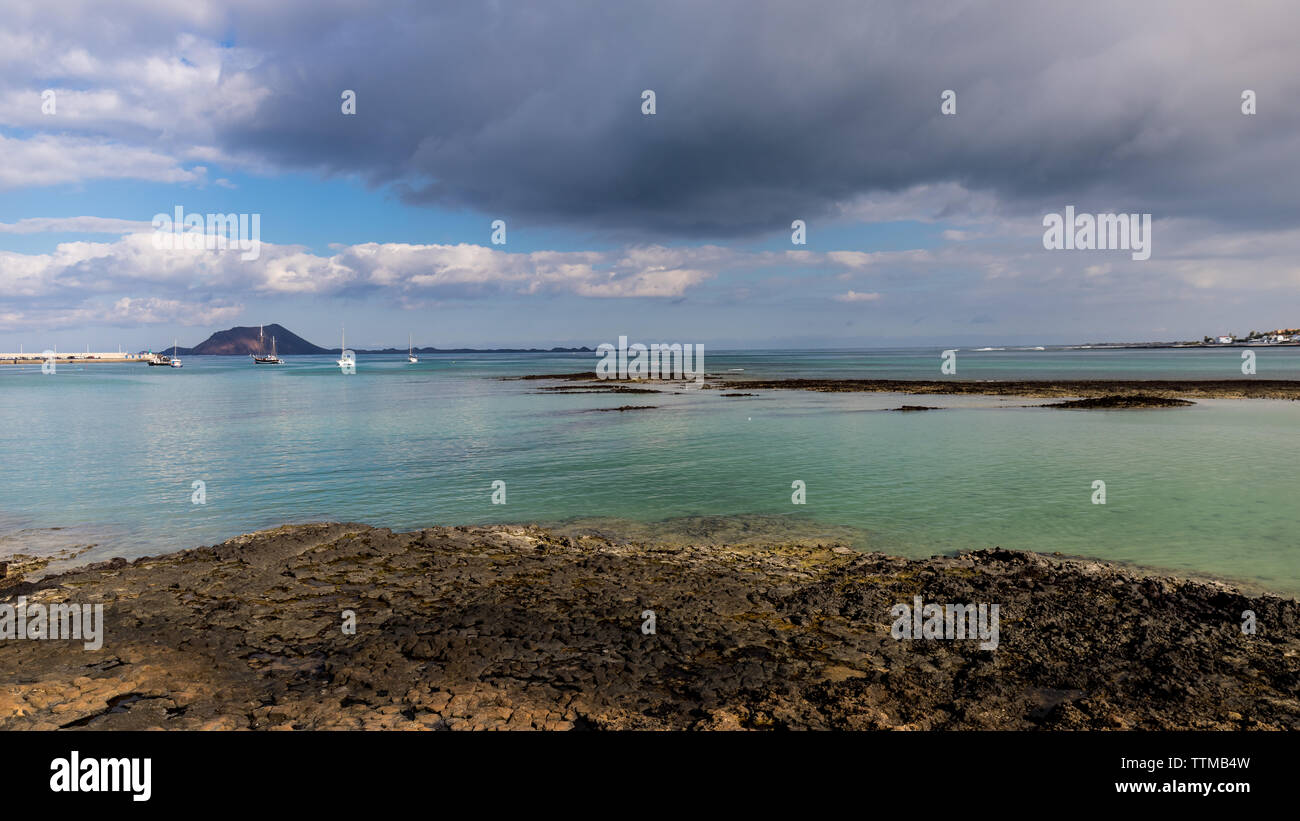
(515, 627)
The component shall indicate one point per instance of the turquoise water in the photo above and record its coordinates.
(107, 455)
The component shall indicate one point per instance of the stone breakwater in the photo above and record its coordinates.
(516, 627)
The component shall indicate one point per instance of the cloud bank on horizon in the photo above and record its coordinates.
(921, 227)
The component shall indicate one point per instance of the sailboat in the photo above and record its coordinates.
(271, 359)
(410, 351)
(343, 361)
(176, 362)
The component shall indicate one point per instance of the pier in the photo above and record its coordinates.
(29, 358)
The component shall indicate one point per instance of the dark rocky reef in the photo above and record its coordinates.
(514, 627)
(1114, 390)
(1085, 388)
(1137, 400)
(600, 387)
(572, 377)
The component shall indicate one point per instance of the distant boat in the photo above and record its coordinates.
(271, 359)
(342, 360)
(176, 362)
(158, 360)
(410, 351)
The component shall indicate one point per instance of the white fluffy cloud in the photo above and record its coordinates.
(168, 285)
(1192, 263)
(131, 102)
(55, 159)
(126, 312)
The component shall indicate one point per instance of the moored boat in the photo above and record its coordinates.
(268, 359)
(343, 361)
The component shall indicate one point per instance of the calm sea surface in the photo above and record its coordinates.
(106, 455)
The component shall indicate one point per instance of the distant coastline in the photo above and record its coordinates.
(257, 340)
(141, 357)
(1124, 346)
(246, 340)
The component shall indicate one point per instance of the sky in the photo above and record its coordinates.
(922, 227)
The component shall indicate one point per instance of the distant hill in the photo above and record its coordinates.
(242, 341)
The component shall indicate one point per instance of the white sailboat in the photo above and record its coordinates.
(176, 362)
(343, 361)
(410, 351)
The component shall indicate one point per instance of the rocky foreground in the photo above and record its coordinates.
(518, 628)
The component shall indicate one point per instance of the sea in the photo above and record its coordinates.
(104, 460)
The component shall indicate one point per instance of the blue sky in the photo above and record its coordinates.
(922, 228)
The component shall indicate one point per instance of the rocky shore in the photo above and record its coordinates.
(1110, 389)
(1108, 393)
(516, 627)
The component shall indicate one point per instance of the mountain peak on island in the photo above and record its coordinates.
(255, 339)
(252, 339)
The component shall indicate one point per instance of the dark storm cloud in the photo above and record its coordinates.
(771, 111)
